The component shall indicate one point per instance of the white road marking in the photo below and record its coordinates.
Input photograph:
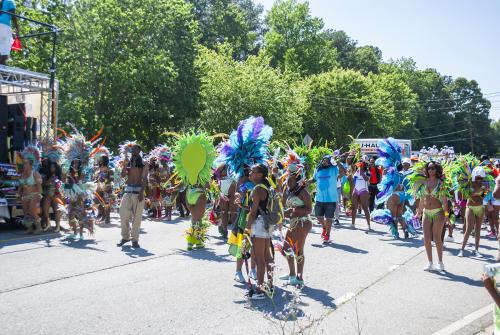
(344, 298)
(456, 326)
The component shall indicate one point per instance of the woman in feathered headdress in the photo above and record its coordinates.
(154, 183)
(105, 189)
(298, 206)
(193, 159)
(163, 155)
(391, 190)
(30, 188)
(246, 146)
(474, 183)
(79, 188)
(430, 185)
(51, 181)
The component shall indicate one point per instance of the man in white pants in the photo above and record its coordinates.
(6, 36)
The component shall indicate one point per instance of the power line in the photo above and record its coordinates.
(334, 103)
(493, 94)
(452, 123)
(424, 138)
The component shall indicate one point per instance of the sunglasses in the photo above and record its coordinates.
(431, 168)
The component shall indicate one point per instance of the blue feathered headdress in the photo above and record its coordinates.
(246, 146)
(389, 153)
(389, 157)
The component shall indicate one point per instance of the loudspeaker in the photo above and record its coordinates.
(19, 130)
(4, 128)
(16, 112)
(33, 130)
(27, 133)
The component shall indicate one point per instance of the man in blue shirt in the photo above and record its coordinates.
(6, 36)
(326, 198)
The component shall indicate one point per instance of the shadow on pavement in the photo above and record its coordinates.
(320, 296)
(410, 242)
(458, 278)
(136, 253)
(205, 254)
(23, 238)
(346, 248)
(81, 244)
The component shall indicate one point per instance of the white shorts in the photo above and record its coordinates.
(258, 229)
(5, 40)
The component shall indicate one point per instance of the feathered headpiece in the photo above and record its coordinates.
(246, 146)
(194, 157)
(463, 173)
(80, 149)
(293, 164)
(389, 153)
(52, 149)
(126, 147)
(162, 153)
(31, 153)
(100, 152)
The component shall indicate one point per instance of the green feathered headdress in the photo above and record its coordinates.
(461, 173)
(417, 179)
(194, 157)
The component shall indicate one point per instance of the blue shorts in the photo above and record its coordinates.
(325, 209)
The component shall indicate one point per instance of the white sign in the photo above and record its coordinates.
(369, 146)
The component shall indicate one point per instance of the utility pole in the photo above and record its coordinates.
(470, 134)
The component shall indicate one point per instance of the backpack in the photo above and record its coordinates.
(273, 214)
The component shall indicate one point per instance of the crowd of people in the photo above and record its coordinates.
(262, 196)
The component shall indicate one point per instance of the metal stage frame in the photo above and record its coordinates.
(19, 82)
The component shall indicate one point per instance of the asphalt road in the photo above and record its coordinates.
(362, 283)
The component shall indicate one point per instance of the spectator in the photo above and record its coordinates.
(375, 173)
(6, 36)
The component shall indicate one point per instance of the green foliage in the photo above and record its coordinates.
(336, 105)
(129, 66)
(294, 40)
(236, 22)
(232, 91)
(142, 68)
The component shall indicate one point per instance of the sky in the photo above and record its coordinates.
(459, 38)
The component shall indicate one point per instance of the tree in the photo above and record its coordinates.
(294, 41)
(236, 22)
(37, 51)
(232, 91)
(432, 115)
(129, 66)
(366, 59)
(391, 103)
(336, 106)
(344, 45)
(472, 110)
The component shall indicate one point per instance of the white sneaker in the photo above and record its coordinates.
(440, 267)
(429, 267)
(238, 277)
(477, 254)
(460, 253)
(449, 239)
(253, 274)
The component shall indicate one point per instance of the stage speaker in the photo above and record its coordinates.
(4, 128)
(33, 130)
(27, 134)
(19, 118)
